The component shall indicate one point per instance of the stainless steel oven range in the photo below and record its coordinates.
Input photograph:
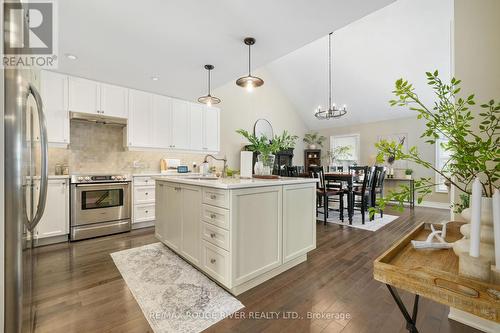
(100, 205)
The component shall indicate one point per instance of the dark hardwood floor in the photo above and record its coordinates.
(79, 289)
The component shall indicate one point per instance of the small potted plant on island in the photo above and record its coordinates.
(267, 148)
(314, 140)
(408, 173)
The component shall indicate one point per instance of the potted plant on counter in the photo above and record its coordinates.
(266, 148)
(314, 139)
(408, 173)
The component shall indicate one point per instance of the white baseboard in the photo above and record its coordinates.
(473, 321)
(139, 225)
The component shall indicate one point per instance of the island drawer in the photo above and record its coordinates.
(144, 194)
(144, 213)
(215, 262)
(216, 216)
(215, 235)
(216, 197)
(143, 180)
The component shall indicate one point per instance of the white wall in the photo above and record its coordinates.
(240, 109)
(404, 39)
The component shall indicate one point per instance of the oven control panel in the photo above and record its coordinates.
(99, 178)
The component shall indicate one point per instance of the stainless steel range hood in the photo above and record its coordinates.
(97, 119)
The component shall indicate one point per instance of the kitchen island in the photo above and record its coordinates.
(238, 232)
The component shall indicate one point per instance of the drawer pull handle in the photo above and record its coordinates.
(213, 261)
(212, 235)
(213, 216)
(213, 197)
(147, 212)
(146, 193)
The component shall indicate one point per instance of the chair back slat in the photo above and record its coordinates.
(318, 173)
(361, 170)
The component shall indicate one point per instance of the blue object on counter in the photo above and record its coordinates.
(182, 169)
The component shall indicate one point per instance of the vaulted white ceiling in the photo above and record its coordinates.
(404, 39)
(127, 41)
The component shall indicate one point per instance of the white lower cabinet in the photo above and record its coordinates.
(143, 198)
(55, 219)
(238, 237)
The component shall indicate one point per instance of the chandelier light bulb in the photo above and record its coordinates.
(249, 86)
(209, 103)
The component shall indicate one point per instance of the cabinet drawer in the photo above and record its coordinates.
(216, 216)
(215, 235)
(215, 262)
(216, 197)
(144, 213)
(144, 194)
(143, 180)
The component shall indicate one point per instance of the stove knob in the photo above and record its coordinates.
(80, 179)
(113, 177)
(119, 177)
(87, 178)
(124, 177)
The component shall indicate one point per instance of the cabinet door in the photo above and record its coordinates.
(173, 212)
(54, 90)
(180, 124)
(83, 95)
(114, 101)
(299, 220)
(162, 114)
(196, 115)
(55, 219)
(140, 119)
(191, 221)
(257, 235)
(160, 211)
(212, 129)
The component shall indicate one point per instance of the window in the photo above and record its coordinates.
(345, 147)
(442, 157)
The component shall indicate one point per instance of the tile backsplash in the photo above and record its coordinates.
(98, 148)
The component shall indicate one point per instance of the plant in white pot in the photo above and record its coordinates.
(314, 140)
(408, 173)
(471, 140)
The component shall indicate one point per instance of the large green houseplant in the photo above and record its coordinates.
(473, 144)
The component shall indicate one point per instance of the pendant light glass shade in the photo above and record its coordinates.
(208, 99)
(249, 81)
(333, 110)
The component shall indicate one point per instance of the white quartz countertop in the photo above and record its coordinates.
(54, 177)
(152, 174)
(231, 183)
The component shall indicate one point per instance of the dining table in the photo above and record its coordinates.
(345, 178)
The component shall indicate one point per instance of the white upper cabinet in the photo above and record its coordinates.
(180, 124)
(196, 115)
(114, 101)
(54, 91)
(84, 95)
(140, 119)
(212, 130)
(161, 126)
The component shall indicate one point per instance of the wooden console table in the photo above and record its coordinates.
(434, 274)
(411, 184)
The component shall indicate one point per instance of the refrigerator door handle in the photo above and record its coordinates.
(44, 176)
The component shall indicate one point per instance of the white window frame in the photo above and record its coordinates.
(438, 163)
(356, 136)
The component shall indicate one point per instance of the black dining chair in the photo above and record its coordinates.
(292, 171)
(360, 192)
(323, 194)
(378, 186)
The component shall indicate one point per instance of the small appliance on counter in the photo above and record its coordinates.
(172, 166)
(246, 164)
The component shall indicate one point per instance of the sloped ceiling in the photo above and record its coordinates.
(404, 39)
(126, 42)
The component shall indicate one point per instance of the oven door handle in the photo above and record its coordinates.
(100, 184)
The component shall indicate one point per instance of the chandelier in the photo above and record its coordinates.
(333, 110)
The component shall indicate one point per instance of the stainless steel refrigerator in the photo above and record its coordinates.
(25, 156)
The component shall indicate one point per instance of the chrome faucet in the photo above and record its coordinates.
(224, 170)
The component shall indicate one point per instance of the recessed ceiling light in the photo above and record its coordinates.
(155, 78)
(71, 56)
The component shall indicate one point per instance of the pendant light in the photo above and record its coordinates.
(333, 110)
(249, 81)
(209, 99)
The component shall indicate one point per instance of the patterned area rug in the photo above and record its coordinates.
(376, 224)
(173, 295)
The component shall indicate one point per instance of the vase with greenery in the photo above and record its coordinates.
(314, 139)
(267, 148)
(473, 144)
(408, 173)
